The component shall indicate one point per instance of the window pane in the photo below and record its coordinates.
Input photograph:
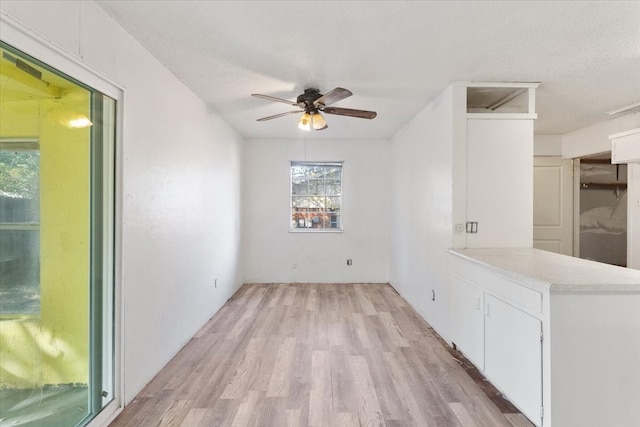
(299, 187)
(314, 186)
(332, 203)
(333, 187)
(333, 173)
(19, 228)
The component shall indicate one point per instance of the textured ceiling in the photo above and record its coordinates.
(394, 56)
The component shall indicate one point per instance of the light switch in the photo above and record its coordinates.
(472, 227)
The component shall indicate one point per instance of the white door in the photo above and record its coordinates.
(553, 204)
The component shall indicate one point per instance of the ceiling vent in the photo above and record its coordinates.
(494, 98)
(515, 99)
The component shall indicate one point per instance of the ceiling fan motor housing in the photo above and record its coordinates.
(308, 97)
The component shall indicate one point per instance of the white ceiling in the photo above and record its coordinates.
(395, 56)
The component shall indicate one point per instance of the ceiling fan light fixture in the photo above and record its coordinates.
(305, 122)
(318, 122)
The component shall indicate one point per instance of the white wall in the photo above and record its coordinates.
(271, 250)
(547, 145)
(421, 210)
(181, 176)
(595, 139)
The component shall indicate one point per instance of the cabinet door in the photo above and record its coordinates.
(500, 182)
(513, 355)
(468, 320)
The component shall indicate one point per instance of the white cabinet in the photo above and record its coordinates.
(493, 327)
(585, 371)
(625, 147)
(500, 182)
(513, 355)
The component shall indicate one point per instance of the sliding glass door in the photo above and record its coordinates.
(56, 246)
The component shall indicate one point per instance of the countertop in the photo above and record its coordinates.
(556, 273)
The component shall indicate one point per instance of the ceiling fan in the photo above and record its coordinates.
(311, 103)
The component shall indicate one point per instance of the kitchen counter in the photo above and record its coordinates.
(558, 336)
(547, 271)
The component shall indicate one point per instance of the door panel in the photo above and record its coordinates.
(468, 320)
(553, 204)
(56, 246)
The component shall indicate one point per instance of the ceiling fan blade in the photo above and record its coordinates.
(362, 114)
(279, 115)
(332, 97)
(273, 98)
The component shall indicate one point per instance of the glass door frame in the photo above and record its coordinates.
(22, 38)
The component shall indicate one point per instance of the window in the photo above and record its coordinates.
(316, 196)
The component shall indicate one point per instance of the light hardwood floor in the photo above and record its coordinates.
(315, 355)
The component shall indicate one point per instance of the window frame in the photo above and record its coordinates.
(312, 230)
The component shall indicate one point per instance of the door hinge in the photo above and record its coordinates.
(541, 412)
(541, 335)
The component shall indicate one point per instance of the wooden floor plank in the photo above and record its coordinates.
(244, 372)
(463, 416)
(281, 378)
(518, 420)
(320, 402)
(317, 355)
(369, 410)
(176, 413)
